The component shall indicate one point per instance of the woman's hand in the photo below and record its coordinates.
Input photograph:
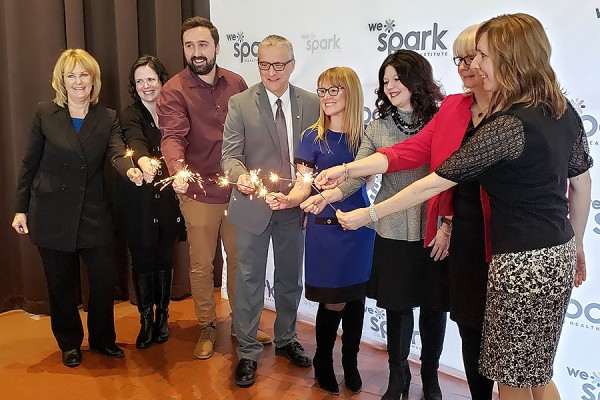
(19, 224)
(314, 204)
(135, 176)
(180, 185)
(147, 169)
(331, 177)
(277, 201)
(580, 270)
(352, 220)
(440, 245)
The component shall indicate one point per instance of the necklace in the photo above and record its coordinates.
(480, 111)
(409, 128)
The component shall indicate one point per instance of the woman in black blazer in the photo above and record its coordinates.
(61, 203)
(151, 218)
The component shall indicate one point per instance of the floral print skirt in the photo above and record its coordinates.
(527, 297)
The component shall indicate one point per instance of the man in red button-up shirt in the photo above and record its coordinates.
(191, 113)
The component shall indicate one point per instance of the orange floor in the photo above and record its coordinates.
(31, 368)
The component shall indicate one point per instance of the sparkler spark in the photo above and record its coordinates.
(129, 154)
(184, 174)
(155, 163)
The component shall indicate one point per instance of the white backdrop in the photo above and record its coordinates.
(359, 35)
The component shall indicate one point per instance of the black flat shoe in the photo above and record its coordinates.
(294, 352)
(71, 358)
(110, 350)
(245, 373)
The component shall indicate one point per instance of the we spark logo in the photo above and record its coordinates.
(427, 42)
(319, 44)
(590, 123)
(245, 51)
(590, 383)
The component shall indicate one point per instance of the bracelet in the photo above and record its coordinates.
(447, 233)
(372, 213)
(346, 171)
(446, 220)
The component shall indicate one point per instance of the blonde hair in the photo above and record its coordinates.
(66, 63)
(464, 44)
(521, 51)
(353, 114)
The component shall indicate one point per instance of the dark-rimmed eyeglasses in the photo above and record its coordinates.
(467, 60)
(333, 91)
(277, 66)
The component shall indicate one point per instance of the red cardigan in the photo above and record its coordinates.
(433, 144)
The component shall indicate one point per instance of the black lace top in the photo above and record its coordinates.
(523, 159)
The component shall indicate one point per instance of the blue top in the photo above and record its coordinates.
(77, 122)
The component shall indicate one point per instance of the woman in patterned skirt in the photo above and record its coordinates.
(527, 153)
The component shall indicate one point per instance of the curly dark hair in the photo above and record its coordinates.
(415, 72)
(153, 63)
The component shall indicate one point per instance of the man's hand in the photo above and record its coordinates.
(147, 169)
(244, 184)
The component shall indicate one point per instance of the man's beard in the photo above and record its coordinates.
(208, 66)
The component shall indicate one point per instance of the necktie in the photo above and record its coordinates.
(284, 185)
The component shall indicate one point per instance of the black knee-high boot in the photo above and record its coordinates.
(352, 323)
(144, 293)
(399, 330)
(481, 388)
(326, 326)
(162, 285)
(432, 328)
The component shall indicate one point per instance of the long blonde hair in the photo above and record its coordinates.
(521, 51)
(66, 63)
(353, 114)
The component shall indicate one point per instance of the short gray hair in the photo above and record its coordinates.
(276, 40)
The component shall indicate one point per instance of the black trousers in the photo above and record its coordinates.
(158, 257)
(480, 387)
(62, 278)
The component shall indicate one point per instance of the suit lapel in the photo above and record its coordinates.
(262, 101)
(72, 136)
(88, 127)
(296, 103)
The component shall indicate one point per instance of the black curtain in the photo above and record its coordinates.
(34, 33)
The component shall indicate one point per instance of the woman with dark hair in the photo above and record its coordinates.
(150, 216)
(403, 274)
(531, 156)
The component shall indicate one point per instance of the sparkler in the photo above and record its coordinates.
(129, 154)
(184, 174)
(257, 184)
(308, 177)
(155, 163)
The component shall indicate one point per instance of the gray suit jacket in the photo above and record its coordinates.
(250, 142)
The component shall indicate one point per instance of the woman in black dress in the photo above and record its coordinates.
(150, 216)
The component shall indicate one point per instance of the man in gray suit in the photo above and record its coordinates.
(262, 128)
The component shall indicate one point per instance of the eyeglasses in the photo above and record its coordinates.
(277, 66)
(333, 91)
(467, 60)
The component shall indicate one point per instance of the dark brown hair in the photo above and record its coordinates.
(153, 63)
(195, 22)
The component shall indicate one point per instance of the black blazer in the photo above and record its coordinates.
(144, 210)
(61, 185)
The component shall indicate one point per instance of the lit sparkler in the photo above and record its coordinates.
(257, 184)
(155, 163)
(184, 174)
(129, 154)
(308, 177)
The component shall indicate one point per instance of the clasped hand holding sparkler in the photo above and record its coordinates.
(148, 167)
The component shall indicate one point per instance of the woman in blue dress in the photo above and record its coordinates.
(337, 262)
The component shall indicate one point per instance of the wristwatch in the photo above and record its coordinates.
(372, 213)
